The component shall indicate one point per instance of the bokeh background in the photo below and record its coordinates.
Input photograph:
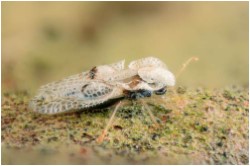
(46, 41)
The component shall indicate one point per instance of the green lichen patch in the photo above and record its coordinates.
(195, 126)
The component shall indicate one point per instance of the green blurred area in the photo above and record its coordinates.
(46, 41)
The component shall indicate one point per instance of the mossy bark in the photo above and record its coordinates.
(196, 126)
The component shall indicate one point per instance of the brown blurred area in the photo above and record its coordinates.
(46, 41)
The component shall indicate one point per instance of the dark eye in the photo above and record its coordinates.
(161, 91)
(146, 93)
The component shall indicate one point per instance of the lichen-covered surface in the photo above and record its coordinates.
(197, 126)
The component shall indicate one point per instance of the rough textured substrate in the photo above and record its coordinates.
(197, 126)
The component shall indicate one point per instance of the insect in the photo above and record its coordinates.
(104, 84)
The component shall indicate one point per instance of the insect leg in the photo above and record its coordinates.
(104, 132)
(145, 106)
(184, 65)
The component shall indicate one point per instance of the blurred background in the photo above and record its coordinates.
(46, 41)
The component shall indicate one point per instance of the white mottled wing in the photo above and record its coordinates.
(62, 97)
(69, 82)
(146, 62)
(118, 66)
(157, 75)
(114, 72)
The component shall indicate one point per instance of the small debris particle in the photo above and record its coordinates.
(83, 150)
(116, 141)
(244, 158)
(88, 123)
(181, 90)
(155, 136)
(52, 139)
(203, 128)
(86, 135)
(220, 144)
(71, 137)
(117, 127)
(187, 139)
(165, 118)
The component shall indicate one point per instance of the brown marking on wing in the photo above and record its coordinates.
(126, 92)
(134, 83)
(84, 86)
(92, 72)
(135, 80)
